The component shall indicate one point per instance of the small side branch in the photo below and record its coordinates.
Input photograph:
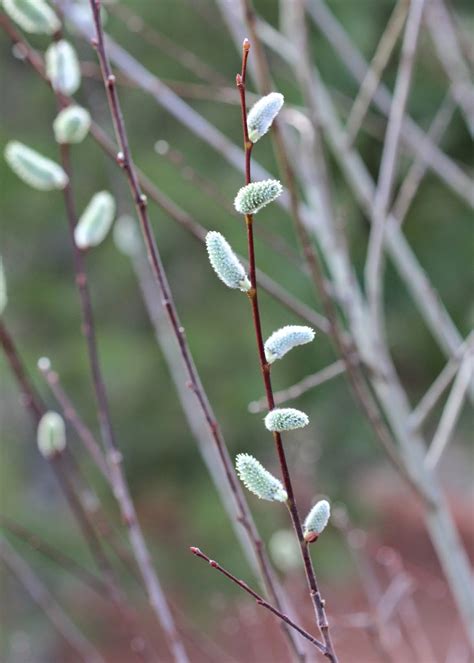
(296, 390)
(260, 600)
(374, 72)
(450, 413)
(374, 265)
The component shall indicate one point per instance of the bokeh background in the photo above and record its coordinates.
(335, 456)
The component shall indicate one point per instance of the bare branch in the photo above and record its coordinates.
(259, 599)
(434, 393)
(443, 34)
(374, 265)
(451, 411)
(374, 73)
(296, 390)
(419, 166)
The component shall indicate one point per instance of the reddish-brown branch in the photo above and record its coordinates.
(259, 599)
(317, 600)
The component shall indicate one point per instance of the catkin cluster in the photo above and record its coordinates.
(249, 200)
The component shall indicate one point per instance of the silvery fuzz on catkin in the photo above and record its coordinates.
(285, 418)
(3, 287)
(258, 480)
(95, 221)
(34, 16)
(316, 520)
(51, 434)
(71, 125)
(262, 114)
(62, 67)
(253, 197)
(285, 339)
(225, 263)
(33, 168)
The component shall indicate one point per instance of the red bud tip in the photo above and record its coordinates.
(246, 44)
(213, 563)
(310, 537)
(194, 550)
(238, 80)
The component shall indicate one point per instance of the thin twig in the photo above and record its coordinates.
(125, 160)
(55, 613)
(440, 384)
(374, 265)
(372, 78)
(451, 412)
(318, 602)
(419, 166)
(445, 41)
(296, 390)
(259, 599)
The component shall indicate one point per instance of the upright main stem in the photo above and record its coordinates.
(317, 600)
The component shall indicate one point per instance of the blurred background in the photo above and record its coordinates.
(336, 456)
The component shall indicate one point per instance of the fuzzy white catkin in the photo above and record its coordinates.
(51, 434)
(225, 263)
(95, 221)
(72, 124)
(34, 16)
(285, 339)
(62, 67)
(316, 520)
(253, 197)
(33, 168)
(285, 418)
(262, 114)
(127, 236)
(3, 288)
(258, 480)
